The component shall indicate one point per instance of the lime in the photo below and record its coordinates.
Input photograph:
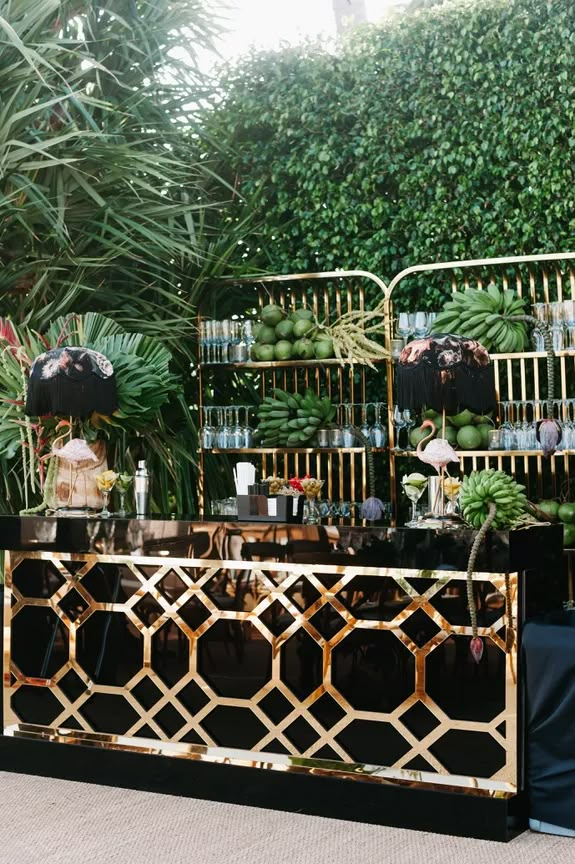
(272, 314)
(484, 429)
(451, 435)
(417, 434)
(551, 508)
(284, 329)
(296, 348)
(464, 418)
(566, 513)
(569, 536)
(430, 414)
(323, 349)
(306, 349)
(482, 418)
(283, 350)
(302, 327)
(266, 335)
(469, 438)
(256, 329)
(254, 351)
(302, 313)
(265, 353)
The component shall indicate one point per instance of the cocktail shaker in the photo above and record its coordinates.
(141, 488)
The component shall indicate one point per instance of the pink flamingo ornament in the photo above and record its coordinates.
(438, 453)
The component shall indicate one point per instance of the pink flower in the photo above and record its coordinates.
(476, 648)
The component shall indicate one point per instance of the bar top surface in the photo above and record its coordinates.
(367, 545)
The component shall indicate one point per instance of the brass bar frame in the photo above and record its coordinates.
(336, 467)
(274, 581)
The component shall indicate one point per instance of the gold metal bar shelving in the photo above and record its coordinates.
(329, 294)
(521, 376)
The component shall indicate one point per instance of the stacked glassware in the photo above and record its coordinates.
(227, 341)
(224, 428)
(560, 317)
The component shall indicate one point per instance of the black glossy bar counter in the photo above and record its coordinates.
(323, 669)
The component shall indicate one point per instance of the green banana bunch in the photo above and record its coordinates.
(292, 419)
(481, 488)
(483, 315)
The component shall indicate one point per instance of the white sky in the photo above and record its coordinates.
(268, 23)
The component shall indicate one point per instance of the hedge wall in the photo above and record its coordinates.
(445, 135)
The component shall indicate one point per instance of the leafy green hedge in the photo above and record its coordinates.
(445, 135)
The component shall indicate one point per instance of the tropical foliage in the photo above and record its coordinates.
(144, 384)
(438, 136)
(107, 201)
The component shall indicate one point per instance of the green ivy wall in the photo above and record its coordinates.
(445, 135)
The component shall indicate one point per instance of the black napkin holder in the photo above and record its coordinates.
(272, 508)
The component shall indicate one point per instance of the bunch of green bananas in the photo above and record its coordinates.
(483, 315)
(480, 488)
(291, 419)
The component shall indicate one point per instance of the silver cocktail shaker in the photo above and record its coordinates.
(141, 488)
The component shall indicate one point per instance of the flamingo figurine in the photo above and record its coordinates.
(438, 453)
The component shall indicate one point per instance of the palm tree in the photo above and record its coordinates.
(107, 203)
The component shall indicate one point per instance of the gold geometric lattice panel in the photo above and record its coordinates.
(366, 669)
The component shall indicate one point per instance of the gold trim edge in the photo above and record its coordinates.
(361, 772)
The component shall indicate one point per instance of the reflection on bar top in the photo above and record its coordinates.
(375, 546)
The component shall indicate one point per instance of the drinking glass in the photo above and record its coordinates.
(557, 321)
(105, 483)
(507, 430)
(335, 437)
(210, 340)
(399, 423)
(236, 431)
(569, 425)
(569, 323)
(451, 489)
(225, 335)
(204, 340)
(431, 316)
(541, 312)
(222, 431)
(421, 326)
(413, 493)
(569, 312)
(348, 431)
(365, 427)
(377, 433)
(248, 432)
(123, 483)
(208, 436)
(495, 440)
(403, 326)
(238, 351)
(409, 421)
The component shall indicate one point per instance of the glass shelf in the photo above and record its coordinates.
(464, 454)
(285, 364)
(309, 450)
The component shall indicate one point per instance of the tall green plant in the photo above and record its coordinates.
(107, 200)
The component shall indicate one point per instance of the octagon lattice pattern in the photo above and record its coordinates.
(355, 665)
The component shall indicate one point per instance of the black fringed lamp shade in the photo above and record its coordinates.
(445, 372)
(71, 382)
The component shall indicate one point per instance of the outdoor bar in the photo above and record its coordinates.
(341, 631)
